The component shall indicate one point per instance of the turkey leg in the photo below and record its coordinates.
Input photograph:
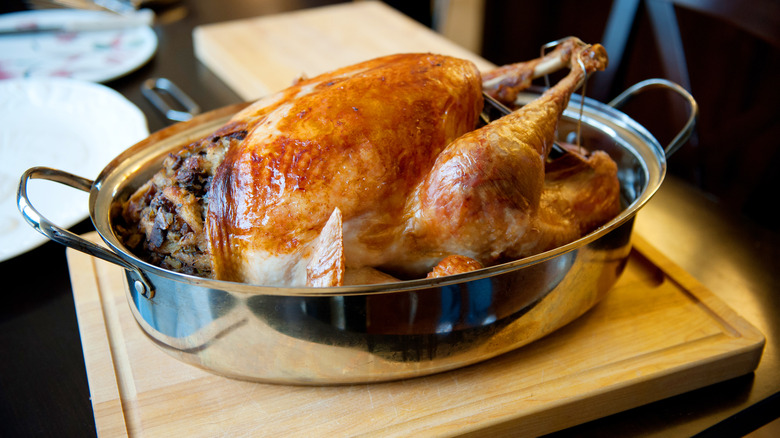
(482, 197)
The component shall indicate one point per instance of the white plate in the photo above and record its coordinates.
(70, 125)
(97, 56)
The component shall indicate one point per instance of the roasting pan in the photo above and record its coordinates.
(372, 333)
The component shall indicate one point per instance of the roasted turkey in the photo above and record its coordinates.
(376, 172)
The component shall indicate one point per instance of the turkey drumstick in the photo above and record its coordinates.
(482, 197)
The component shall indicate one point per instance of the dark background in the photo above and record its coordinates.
(735, 152)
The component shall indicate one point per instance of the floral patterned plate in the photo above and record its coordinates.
(96, 55)
(72, 125)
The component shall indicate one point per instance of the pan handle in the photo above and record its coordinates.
(64, 237)
(687, 129)
(156, 90)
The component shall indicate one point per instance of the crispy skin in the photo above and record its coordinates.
(580, 194)
(454, 264)
(326, 267)
(359, 138)
(482, 198)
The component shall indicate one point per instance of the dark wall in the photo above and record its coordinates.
(735, 153)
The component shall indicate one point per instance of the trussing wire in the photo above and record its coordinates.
(582, 100)
(543, 52)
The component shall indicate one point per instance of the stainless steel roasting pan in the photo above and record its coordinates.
(358, 334)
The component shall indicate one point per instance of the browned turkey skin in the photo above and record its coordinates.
(377, 165)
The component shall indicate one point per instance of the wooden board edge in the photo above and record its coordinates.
(235, 79)
(111, 278)
(108, 413)
(209, 39)
(603, 399)
(579, 411)
(727, 316)
(745, 347)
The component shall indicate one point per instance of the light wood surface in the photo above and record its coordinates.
(261, 55)
(658, 333)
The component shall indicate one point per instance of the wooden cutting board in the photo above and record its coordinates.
(657, 333)
(261, 55)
